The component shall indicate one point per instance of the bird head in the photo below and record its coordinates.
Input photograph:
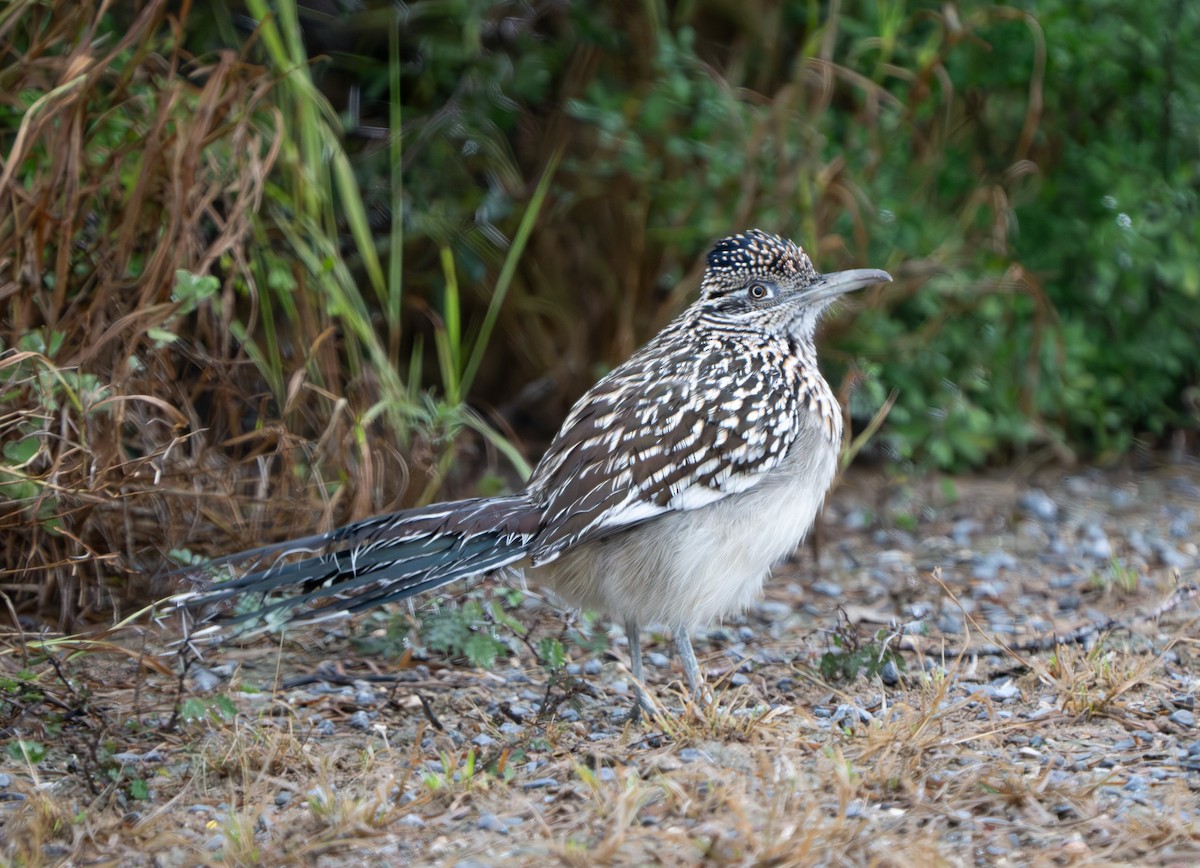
(760, 280)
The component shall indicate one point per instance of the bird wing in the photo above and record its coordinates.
(664, 433)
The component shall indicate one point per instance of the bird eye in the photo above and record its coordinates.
(758, 290)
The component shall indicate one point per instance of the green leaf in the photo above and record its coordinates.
(25, 751)
(482, 650)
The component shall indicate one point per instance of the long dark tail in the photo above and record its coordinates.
(369, 563)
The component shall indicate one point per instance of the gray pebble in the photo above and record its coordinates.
(216, 842)
(539, 783)
(413, 821)
(889, 674)
(150, 756)
(5, 781)
(1137, 541)
(1183, 718)
(1062, 581)
(826, 588)
(1121, 499)
(950, 623)
(574, 670)
(1037, 503)
(360, 720)
(772, 610)
(893, 558)
(606, 774)
(510, 728)
(365, 696)
(592, 667)
(856, 519)
(1031, 537)
(568, 715)
(491, 823)
(483, 740)
(1068, 602)
(283, 797)
(325, 727)
(962, 531)
(204, 680)
(658, 660)
(1171, 556)
(1096, 547)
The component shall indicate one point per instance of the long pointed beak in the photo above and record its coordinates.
(836, 283)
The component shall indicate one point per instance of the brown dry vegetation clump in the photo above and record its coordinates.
(134, 421)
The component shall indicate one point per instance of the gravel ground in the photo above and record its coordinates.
(966, 737)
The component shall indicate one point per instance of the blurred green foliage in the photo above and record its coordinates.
(1032, 183)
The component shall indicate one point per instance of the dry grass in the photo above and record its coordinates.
(1066, 756)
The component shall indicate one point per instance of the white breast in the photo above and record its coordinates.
(688, 568)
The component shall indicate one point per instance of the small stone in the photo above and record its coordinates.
(325, 727)
(1182, 717)
(1096, 547)
(539, 783)
(1170, 556)
(205, 680)
(950, 623)
(690, 754)
(5, 781)
(483, 740)
(889, 674)
(491, 823)
(283, 797)
(1121, 499)
(856, 519)
(827, 589)
(592, 667)
(413, 821)
(365, 696)
(1037, 503)
(658, 660)
(1003, 691)
(962, 531)
(772, 610)
(360, 720)
(606, 774)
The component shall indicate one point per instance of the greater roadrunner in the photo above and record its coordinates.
(673, 486)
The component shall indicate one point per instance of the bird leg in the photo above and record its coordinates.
(634, 634)
(691, 669)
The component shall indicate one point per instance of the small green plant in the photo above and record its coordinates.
(26, 751)
(216, 709)
(850, 657)
(464, 630)
(1117, 575)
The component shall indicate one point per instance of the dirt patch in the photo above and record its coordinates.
(944, 749)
